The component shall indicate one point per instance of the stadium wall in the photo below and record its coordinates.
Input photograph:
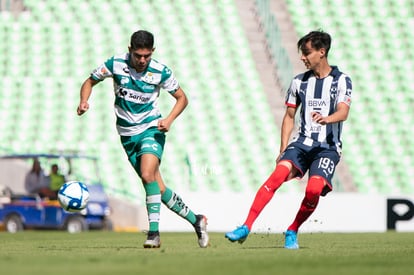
(337, 212)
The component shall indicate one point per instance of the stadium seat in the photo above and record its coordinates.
(220, 138)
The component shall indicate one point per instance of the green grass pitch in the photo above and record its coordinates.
(59, 253)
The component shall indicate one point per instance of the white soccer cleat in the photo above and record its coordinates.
(153, 240)
(200, 227)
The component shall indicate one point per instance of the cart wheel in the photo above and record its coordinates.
(13, 223)
(107, 225)
(76, 224)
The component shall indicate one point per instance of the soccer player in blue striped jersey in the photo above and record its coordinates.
(323, 97)
(137, 80)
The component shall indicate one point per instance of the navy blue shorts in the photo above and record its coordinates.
(318, 160)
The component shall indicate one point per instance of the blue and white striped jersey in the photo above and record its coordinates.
(319, 95)
(136, 94)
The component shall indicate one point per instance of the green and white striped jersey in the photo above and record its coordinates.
(136, 94)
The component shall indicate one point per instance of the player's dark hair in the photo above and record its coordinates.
(319, 39)
(142, 40)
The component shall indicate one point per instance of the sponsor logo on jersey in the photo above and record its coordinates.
(152, 146)
(140, 98)
(121, 92)
(174, 83)
(124, 80)
(148, 87)
(316, 129)
(103, 70)
(317, 103)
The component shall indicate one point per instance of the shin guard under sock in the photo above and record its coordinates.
(313, 191)
(266, 192)
(153, 201)
(176, 204)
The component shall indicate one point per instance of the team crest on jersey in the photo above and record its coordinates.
(126, 69)
(149, 77)
(152, 78)
(334, 89)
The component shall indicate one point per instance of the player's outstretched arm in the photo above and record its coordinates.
(179, 106)
(85, 93)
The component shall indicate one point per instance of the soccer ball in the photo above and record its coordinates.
(73, 196)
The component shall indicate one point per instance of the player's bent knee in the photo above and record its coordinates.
(315, 186)
(147, 177)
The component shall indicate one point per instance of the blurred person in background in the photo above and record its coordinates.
(323, 97)
(56, 179)
(37, 183)
(137, 82)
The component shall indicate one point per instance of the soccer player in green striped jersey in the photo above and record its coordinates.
(137, 80)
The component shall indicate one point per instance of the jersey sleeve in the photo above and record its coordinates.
(291, 95)
(169, 82)
(345, 90)
(104, 70)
